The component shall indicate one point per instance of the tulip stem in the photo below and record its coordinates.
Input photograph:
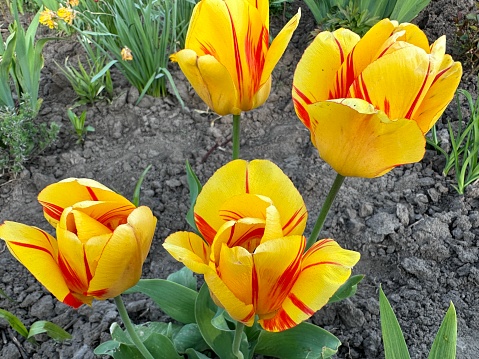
(237, 340)
(236, 136)
(130, 329)
(338, 181)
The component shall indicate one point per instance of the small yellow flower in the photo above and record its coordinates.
(73, 2)
(126, 54)
(47, 18)
(66, 14)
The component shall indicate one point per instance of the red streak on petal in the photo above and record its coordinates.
(248, 236)
(282, 321)
(87, 267)
(248, 317)
(290, 221)
(302, 113)
(239, 67)
(97, 293)
(300, 305)
(416, 100)
(32, 246)
(232, 232)
(254, 283)
(302, 96)
(92, 194)
(72, 279)
(72, 301)
(318, 245)
(247, 181)
(341, 53)
(205, 229)
(321, 263)
(228, 215)
(387, 106)
(52, 210)
(439, 74)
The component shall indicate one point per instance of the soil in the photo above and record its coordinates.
(418, 238)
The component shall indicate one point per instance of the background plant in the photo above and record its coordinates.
(467, 37)
(93, 80)
(464, 154)
(360, 15)
(78, 123)
(149, 29)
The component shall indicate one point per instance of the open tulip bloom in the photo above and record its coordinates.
(368, 102)
(102, 242)
(227, 57)
(251, 219)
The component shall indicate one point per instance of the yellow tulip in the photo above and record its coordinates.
(227, 56)
(252, 255)
(102, 242)
(368, 102)
(47, 18)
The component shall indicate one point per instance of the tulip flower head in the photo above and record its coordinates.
(227, 57)
(252, 218)
(102, 242)
(368, 102)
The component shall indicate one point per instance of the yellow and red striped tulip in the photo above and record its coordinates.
(368, 102)
(252, 255)
(102, 242)
(227, 56)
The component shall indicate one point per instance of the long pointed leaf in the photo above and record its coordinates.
(444, 346)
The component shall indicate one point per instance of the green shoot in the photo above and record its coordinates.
(79, 125)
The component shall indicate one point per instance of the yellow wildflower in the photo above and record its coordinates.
(126, 54)
(47, 18)
(66, 14)
(73, 2)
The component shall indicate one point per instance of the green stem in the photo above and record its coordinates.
(236, 136)
(237, 340)
(325, 209)
(130, 329)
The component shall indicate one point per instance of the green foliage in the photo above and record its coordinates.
(467, 37)
(90, 82)
(444, 346)
(360, 15)
(41, 326)
(464, 155)
(79, 125)
(21, 137)
(348, 289)
(148, 28)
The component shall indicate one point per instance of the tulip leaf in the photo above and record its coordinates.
(393, 338)
(136, 192)
(444, 346)
(221, 341)
(347, 290)
(195, 189)
(193, 354)
(172, 298)
(302, 341)
(189, 337)
(52, 330)
(184, 277)
(14, 322)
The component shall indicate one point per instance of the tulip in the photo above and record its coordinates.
(102, 242)
(227, 56)
(368, 102)
(252, 255)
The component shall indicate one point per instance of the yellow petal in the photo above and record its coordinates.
(277, 263)
(263, 9)
(143, 223)
(109, 214)
(314, 77)
(189, 249)
(414, 36)
(37, 251)
(363, 144)
(119, 266)
(87, 227)
(257, 177)
(56, 197)
(278, 46)
(325, 267)
(210, 79)
(438, 96)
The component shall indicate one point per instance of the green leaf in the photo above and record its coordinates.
(136, 192)
(393, 339)
(184, 277)
(107, 348)
(347, 290)
(52, 330)
(174, 299)
(14, 322)
(221, 341)
(189, 336)
(193, 354)
(444, 346)
(161, 347)
(103, 70)
(195, 187)
(302, 341)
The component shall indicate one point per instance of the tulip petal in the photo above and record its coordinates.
(257, 177)
(87, 227)
(325, 267)
(189, 249)
(119, 266)
(318, 65)
(58, 196)
(414, 36)
(210, 79)
(143, 223)
(109, 214)
(276, 264)
(438, 96)
(278, 46)
(363, 144)
(37, 251)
